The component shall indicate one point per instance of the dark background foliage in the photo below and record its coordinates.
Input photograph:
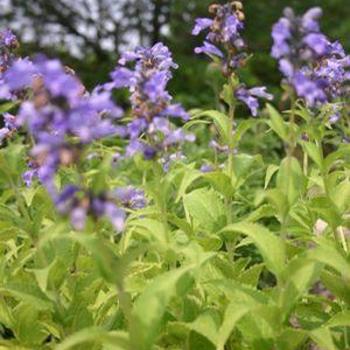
(89, 34)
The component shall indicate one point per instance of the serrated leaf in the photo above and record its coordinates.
(291, 180)
(29, 293)
(276, 122)
(119, 340)
(270, 171)
(206, 207)
(271, 247)
(221, 121)
(233, 313)
(149, 308)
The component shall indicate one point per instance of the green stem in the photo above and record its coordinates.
(343, 239)
(231, 148)
(159, 198)
(292, 139)
(305, 163)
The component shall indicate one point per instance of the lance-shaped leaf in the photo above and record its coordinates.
(270, 246)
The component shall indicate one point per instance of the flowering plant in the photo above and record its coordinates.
(218, 229)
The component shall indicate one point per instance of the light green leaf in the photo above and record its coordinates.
(206, 208)
(233, 313)
(271, 170)
(149, 308)
(315, 153)
(323, 338)
(189, 177)
(291, 180)
(271, 247)
(302, 273)
(29, 293)
(207, 324)
(119, 340)
(221, 121)
(276, 122)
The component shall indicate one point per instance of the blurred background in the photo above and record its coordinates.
(88, 35)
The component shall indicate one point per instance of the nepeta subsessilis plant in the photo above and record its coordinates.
(150, 131)
(225, 45)
(226, 243)
(316, 67)
(63, 118)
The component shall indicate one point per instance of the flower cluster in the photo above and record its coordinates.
(223, 40)
(59, 111)
(224, 44)
(62, 117)
(79, 204)
(250, 97)
(313, 65)
(9, 126)
(8, 42)
(150, 130)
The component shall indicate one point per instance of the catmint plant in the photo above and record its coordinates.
(315, 67)
(150, 131)
(63, 118)
(225, 45)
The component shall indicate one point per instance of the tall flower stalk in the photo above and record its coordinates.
(63, 119)
(151, 132)
(226, 47)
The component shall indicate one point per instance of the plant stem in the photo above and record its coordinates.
(291, 146)
(343, 239)
(160, 199)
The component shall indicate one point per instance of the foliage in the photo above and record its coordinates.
(240, 245)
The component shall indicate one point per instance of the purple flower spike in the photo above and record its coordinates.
(316, 68)
(150, 100)
(224, 33)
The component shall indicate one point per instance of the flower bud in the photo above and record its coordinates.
(237, 5)
(213, 8)
(240, 15)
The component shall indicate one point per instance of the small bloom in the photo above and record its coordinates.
(250, 97)
(201, 24)
(131, 197)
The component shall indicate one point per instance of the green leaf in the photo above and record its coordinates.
(340, 195)
(302, 273)
(189, 177)
(291, 339)
(291, 180)
(315, 153)
(337, 285)
(271, 247)
(29, 293)
(242, 128)
(276, 122)
(207, 324)
(149, 308)
(341, 319)
(206, 208)
(271, 170)
(328, 253)
(221, 183)
(264, 211)
(6, 316)
(27, 326)
(222, 123)
(326, 210)
(233, 313)
(323, 338)
(119, 340)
